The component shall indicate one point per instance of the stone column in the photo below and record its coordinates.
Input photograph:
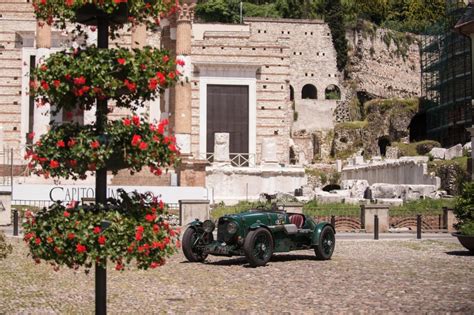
(190, 210)
(449, 219)
(182, 114)
(471, 130)
(367, 214)
(41, 113)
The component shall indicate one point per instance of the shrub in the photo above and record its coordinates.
(5, 248)
(464, 209)
(424, 147)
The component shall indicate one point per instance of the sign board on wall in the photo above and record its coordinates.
(66, 193)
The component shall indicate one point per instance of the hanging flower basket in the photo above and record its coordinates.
(70, 150)
(133, 228)
(130, 78)
(117, 11)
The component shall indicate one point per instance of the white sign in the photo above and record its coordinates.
(169, 194)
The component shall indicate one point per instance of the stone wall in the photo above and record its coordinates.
(396, 172)
(384, 70)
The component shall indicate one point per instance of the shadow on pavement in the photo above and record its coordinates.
(274, 259)
(460, 253)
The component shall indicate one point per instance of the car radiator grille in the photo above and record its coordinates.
(222, 235)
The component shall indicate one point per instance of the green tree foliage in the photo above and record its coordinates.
(334, 16)
(297, 9)
(224, 11)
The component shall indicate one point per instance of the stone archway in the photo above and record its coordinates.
(332, 92)
(309, 91)
(383, 143)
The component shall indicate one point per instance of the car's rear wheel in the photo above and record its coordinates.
(192, 242)
(258, 247)
(326, 244)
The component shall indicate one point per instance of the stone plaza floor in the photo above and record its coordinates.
(364, 276)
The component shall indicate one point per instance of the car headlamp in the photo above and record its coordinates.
(232, 228)
(208, 226)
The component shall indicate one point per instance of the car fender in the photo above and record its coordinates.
(261, 225)
(195, 224)
(317, 232)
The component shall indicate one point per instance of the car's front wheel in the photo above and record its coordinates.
(258, 247)
(326, 244)
(192, 242)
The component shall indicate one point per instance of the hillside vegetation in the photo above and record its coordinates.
(401, 15)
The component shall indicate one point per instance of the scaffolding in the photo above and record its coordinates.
(446, 80)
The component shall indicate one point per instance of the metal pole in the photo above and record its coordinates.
(418, 226)
(333, 221)
(11, 170)
(15, 222)
(101, 177)
(376, 227)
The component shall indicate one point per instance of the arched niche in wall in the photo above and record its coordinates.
(292, 93)
(332, 92)
(309, 91)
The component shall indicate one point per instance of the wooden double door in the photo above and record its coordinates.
(228, 111)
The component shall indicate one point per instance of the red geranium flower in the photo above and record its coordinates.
(80, 248)
(71, 236)
(60, 144)
(37, 241)
(95, 144)
(136, 120)
(54, 164)
(143, 146)
(73, 163)
(80, 81)
(66, 214)
(180, 62)
(49, 240)
(45, 85)
(152, 84)
(138, 236)
(120, 60)
(56, 83)
(126, 122)
(156, 228)
(140, 229)
(161, 77)
(118, 266)
(101, 240)
(154, 264)
(97, 230)
(136, 140)
(150, 217)
(31, 135)
(166, 59)
(71, 143)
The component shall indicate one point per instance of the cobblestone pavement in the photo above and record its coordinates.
(364, 276)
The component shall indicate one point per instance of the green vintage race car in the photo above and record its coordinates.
(257, 234)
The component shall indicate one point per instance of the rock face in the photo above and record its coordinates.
(356, 187)
(383, 62)
(405, 192)
(386, 122)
